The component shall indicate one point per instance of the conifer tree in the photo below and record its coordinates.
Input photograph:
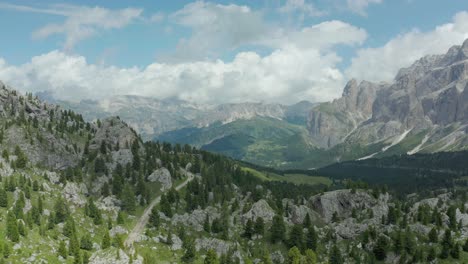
(294, 256)
(106, 240)
(278, 229)
(296, 237)
(86, 242)
(62, 250)
(259, 227)
(248, 230)
(211, 257)
(12, 227)
(3, 198)
(154, 220)
(455, 251)
(433, 235)
(311, 238)
(380, 248)
(128, 199)
(307, 221)
(446, 244)
(335, 256)
(310, 257)
(189, 254)
(206, 224)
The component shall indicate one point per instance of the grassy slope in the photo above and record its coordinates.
(295, 178)
(265, 141)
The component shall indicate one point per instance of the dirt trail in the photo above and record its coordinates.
(140, 225)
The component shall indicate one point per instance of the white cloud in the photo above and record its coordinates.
(287, 75)
(382, 63)
(216, 27)
(360, 6)
(301, 6)
(157, 17)
(81, 22)
(300, 62)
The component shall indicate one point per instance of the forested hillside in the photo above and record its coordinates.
(78, 192)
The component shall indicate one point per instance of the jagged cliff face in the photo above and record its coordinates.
(330, 123)
(428, 99)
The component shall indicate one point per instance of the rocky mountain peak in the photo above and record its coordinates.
(430, 95)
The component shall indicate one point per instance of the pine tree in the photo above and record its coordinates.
(12, 227)
(3, 198)
(335, 256)
(307, 223)
(21, 228)
(106, 240)
(294, 256)
(465, 246)
(259, 227)
(446, 244)
(69, 228)
(266, 259)
(380, 248)
(311, 239)
(278, 229)
(85, 258)
(455, 252)
(451, 213)
(6, 249)
(62, 250)
(166, 206)
(432, 254)
(211, 257)
(433, 235)
(310, 257)
(120, 218)
(154, 220)
(128, 199)
(248, 230)
(410, 241)
(86, 243)
(61, 210)
(21, 159)
(398, 242)
(296, 237)
(206, 224)
(189, 254)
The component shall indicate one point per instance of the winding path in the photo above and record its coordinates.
(140, 225)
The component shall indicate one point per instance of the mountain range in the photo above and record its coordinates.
(423, 110)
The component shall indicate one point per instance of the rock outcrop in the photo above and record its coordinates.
(427, 100)
(342, 203)
(162, 176)
(260, 209)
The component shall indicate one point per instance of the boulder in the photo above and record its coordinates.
(73, 193)
(163, 176)
(342, 202)
(260, 209)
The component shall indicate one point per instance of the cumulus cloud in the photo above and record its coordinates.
(382, 63)
(360, 6)
(81, 22)
(215, 27)
(300, 63)
(287, 75)
(302, 7)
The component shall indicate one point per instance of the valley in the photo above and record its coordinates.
(234, 132)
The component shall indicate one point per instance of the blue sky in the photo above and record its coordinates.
(219, 51)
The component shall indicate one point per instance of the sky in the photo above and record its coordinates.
(272, 51)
